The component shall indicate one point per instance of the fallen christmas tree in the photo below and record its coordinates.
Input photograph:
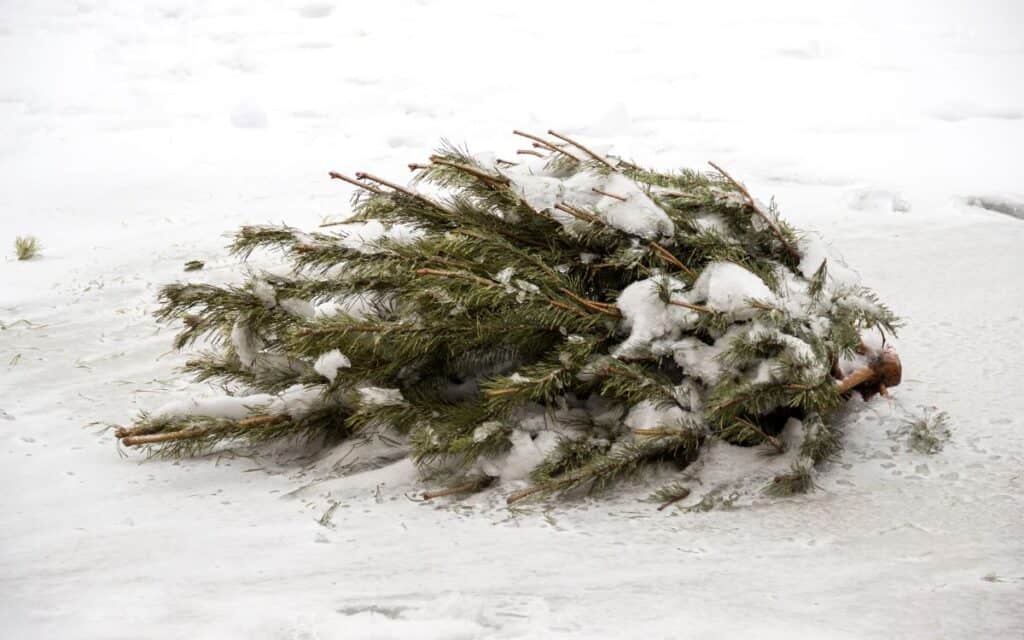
(605, 317)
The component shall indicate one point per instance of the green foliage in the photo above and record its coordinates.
(929, 433)
(494, 310)
(798, 479)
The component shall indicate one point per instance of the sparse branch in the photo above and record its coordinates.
(694, 307)
(586, 150)
(752, 203)
(362, 185)
(544, 144)
(412, 194)
(456, 274)
(493, 180)
(600, 307)
(472, 485)
(610, 195)
(669, 257)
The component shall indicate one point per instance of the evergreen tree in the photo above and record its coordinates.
(639, 314)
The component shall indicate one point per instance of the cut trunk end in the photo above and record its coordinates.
(884, 371)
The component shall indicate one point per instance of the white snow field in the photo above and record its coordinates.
(134, 135)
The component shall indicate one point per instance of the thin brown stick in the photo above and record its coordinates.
(592, 154)
(544, 144)
(770, 439)
(565, 307)
(538, 139)
(140, 430)
(143, 435)
(361, 185)
(473, 171)
(576, 213)
(694, 307)
(497, 393)
(469, 486)
(356, 328)
(667, 255)
(610, 195)
(168, 436)
(551, 486)
(456, 274)
(413, 166)
(412, 194)
(656, 431)
(600, 307)
(525, 493)
(684, 494)
(260, 421)
(333, 224)
(757, 209)
(529, 152)
(668, 193)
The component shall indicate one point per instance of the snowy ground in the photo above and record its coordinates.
(134, 134)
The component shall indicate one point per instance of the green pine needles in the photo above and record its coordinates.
(556, 323)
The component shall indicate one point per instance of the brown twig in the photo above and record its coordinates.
(412, 194)
(140, 430)
(592, 154)
(169, 436)
(469, 486)
(577, 213)
(656, 431)
(525, 493)
(456, 274)
(757, 209)
(694, 307)
(600, 307)
(492, 181)
(565, 307)
(529, 152)
(684, 494)
(369, 187)
(610, 195)
(332, 330)
(770, 439)
(544, 144)
(258, 421)
(139, 436)
(497, 393)
(667, 255)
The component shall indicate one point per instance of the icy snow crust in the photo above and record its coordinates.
(134, 135)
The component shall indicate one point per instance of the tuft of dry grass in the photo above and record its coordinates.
(27, 247)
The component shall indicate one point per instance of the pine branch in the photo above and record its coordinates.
(584, 149)
(752, 203)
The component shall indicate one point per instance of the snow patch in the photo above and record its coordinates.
(227, 407)
(328, 364)
(380, 396)
(648, 318)
(727, 287)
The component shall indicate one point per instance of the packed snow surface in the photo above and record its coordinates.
(134, 135)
